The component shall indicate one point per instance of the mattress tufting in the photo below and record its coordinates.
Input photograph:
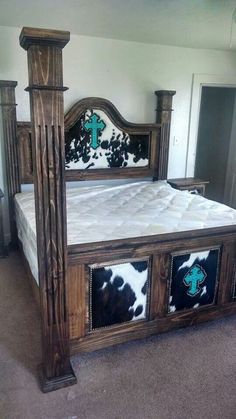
(100, 213)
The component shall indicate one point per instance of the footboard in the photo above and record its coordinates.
(129, 289)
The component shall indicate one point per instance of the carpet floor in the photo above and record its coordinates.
(184, 374)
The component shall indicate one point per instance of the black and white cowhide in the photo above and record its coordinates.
(118, 293)
(193, 280)
(116, 148)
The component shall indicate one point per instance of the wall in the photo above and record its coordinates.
(127, 73)
(230, 181)
(215, 123)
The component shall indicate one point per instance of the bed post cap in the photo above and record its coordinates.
(37, 36)
(8, 83)
(165, 92)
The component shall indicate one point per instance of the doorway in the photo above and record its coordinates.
(216, 143)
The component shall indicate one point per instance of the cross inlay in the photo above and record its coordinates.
(193, 278)
(95, 125)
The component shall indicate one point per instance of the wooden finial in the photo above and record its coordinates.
(36, 36)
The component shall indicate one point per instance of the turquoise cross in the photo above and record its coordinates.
(94, 124)
(193, 278)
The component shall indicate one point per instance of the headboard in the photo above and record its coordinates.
(101, 144)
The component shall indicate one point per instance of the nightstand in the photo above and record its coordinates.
(191, 184)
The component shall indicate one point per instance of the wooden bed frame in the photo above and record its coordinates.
(64, 270)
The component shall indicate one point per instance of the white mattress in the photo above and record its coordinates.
(100, 213)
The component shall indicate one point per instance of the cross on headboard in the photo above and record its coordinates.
(95, 125)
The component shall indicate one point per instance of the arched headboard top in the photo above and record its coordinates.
(106, 106)
(100, 143)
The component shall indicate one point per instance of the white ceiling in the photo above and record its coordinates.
(188, 23)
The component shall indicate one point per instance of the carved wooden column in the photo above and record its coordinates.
(44, 50)
(163, 117)
(8, 105)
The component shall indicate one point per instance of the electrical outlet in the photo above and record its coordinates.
(175, 141)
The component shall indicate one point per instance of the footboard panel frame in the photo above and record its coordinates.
(159, 250)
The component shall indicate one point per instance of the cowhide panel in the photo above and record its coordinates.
(94, 142)
(193, 280)
(118, 294)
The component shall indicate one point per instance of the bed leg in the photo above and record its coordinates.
(44, 50)
(163, 117)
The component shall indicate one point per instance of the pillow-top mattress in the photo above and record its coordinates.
(101, 213)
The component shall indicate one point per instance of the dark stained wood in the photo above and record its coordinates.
(3, 250)
(44, 50)
(163, 117)
(105, 105)
(132, 331)
(8, 106)
(226, 273)
(77, 300)
(189, 184)
(125, 333)
(160, 276)
(161, 251)
(45, 37)
(25, 152)
(24, 135)
(159, 321)
(77, 296)
(138, 246)
(72, 116)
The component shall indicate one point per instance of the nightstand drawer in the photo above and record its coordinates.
(193, 185)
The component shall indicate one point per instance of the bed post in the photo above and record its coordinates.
(163, 117)
(8, 105)
(44, 50)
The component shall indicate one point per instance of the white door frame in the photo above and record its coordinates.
(198, 81)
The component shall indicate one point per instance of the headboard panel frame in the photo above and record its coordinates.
(151, 130)
(158, 137)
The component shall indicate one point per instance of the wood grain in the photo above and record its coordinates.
(138, 246)
(160, 276)
(25, 152)
(8, 107)
(44, 52)
(139, 330)
(77, 301)
(163, 117)
(3, 250)
(226, 274)
(151, 130)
